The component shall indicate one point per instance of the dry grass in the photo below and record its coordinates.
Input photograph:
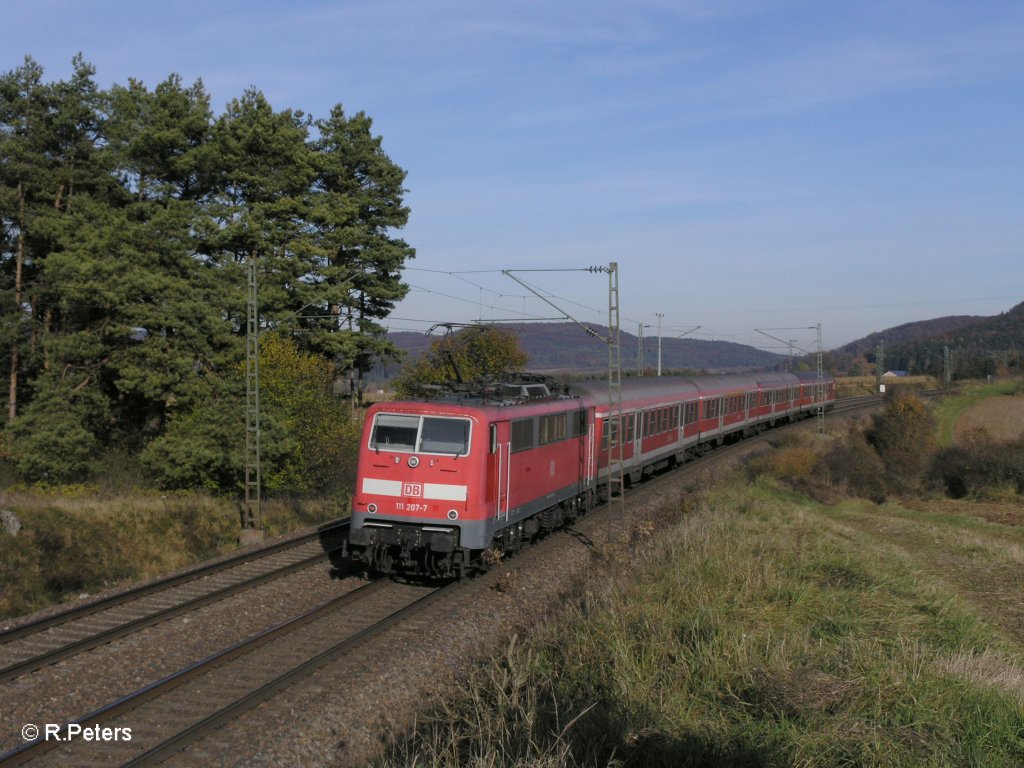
(855, 386)
(74, 541)
(762, 629)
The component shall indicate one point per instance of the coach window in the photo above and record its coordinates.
(690, 415)
(611, 429)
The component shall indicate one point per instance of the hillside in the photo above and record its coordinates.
(979, 346)
(908, 333)
(562, 347)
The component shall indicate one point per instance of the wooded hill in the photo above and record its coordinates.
(979, 346)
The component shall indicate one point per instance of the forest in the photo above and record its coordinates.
(128, 219)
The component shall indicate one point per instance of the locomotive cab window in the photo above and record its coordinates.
(409, 433)
(393, 432)
(445, 436)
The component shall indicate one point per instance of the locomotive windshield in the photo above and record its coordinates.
(420, 434)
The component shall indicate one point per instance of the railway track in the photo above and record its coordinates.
(34, 645)
(160, 719)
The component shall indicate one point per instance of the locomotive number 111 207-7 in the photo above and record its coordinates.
(401, 506)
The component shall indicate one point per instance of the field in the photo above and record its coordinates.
(1002, 418)
(855, 386)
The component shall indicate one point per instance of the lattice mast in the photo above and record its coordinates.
(616, 428)
(820, 388)
(252, 516)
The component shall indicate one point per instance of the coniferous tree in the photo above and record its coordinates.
(27, 191)
(127, 219)
(359, 203)
(61, 180)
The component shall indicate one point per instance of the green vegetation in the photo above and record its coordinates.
(309, 435)
(468, 355)
(127, 219)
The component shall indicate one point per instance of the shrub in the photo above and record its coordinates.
(789, 464)
(904, 437)
(854, 468)
(55, 439)
(978, 466)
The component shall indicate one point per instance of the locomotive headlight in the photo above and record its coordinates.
(414, 462)
(453, 514)
(371, 508)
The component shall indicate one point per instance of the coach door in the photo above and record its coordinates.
(500, 470)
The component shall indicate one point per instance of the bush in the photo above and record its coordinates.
(57, 438)
(904, 437)
(854, 468)
(789, 464)
(977, 467)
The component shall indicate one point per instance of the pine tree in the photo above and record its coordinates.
(359, 202)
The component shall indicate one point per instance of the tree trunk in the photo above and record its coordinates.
(12, 390)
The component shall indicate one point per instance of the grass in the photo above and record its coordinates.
(761, 630)
(948, 409)
(76, 541)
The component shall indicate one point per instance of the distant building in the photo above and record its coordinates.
(894, 373)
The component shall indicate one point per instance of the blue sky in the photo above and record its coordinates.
(747, 164)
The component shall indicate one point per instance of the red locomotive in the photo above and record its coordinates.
(442, 481)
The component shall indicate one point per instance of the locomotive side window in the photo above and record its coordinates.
(553, 428)
(394, 432)
(522, 435)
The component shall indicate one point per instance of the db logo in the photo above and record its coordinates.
(412, 489)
